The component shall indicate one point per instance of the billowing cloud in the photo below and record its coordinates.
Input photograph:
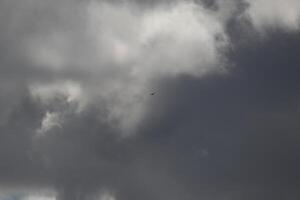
(149, 99)
(272, 14)
(145, 45)
(123, 49)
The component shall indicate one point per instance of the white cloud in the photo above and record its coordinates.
(106, 195)
(37, 197)
(69, 91)
(27, 194)
(180, 38)
(50, 120)
(61, 98)
(124, 48)
(284, 14)
(163, 42)
(33, 197)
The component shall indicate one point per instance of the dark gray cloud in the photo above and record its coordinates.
(78, 122)
(247, 123)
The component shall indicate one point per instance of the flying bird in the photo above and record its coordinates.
(152, 93)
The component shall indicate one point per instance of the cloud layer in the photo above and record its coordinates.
(78, 121)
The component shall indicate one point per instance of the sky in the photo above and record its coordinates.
(149, 99)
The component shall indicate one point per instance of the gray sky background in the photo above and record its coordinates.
(77, 121)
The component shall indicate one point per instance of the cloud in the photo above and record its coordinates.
(268, 14)
(66, 91)
(37, 197)
(27, 194)
(50, 120)
(77, 116)
(119, 50)
(146, 46)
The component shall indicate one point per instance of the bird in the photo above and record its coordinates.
(152, 93)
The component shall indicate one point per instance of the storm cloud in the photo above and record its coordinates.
(109, 100)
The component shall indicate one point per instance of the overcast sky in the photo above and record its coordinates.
(149, 99)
